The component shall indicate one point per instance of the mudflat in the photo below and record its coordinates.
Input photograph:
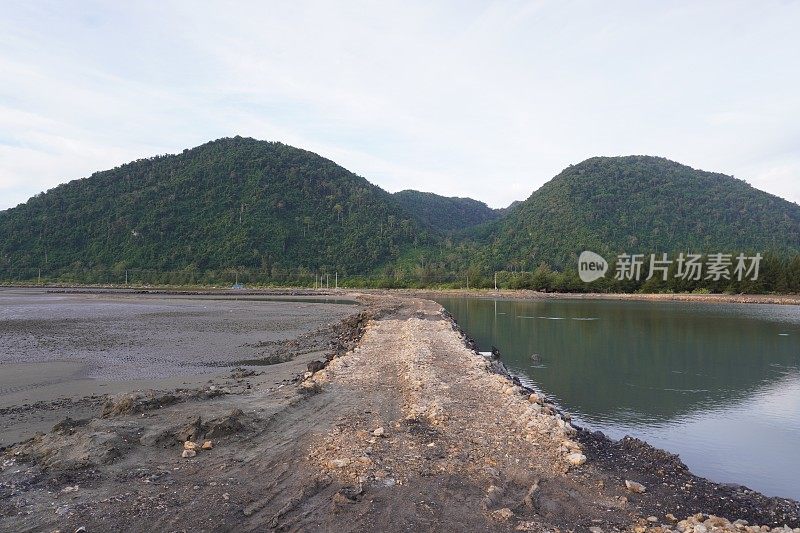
(61, 353)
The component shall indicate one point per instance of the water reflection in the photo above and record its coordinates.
(718, 384)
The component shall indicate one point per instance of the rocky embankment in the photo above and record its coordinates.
(403, 426)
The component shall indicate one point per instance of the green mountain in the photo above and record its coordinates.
(443, 213)
(274, 213)
(641, 204)
(233, 202)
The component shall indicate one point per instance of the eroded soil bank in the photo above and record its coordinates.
(406, 428)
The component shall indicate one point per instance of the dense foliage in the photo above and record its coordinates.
(267, 213)
(445, 214)
(231, 203)
(643, 204)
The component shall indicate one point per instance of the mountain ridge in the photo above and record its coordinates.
(450, 213)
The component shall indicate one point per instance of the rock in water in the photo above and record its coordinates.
(634, 486)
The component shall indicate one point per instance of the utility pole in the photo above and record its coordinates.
(467, 281)
(126, 277)
(495, 281)
(40, 277)
(337, 280)
(327, 281)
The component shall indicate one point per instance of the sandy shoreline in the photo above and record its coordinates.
(406, 428)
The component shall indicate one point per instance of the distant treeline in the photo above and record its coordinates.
(776, 274)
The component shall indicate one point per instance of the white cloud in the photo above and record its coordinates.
(483, 100)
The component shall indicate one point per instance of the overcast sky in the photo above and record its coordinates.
(487, 100)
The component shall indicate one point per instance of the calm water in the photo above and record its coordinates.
(718, 384)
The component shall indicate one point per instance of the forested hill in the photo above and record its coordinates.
(234, 202)
(641, 204)
(444, 213)
(279, 214)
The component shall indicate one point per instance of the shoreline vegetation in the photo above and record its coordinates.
(523, 294)
(402, 425)
(780, 299)
(777, 274)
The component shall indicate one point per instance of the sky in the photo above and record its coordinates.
(481, 99)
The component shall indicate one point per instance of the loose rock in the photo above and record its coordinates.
(576, 459)
(633, 486)
(502, 514)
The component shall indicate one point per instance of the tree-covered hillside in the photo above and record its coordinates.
(233, 202)
(639, 204)
(270, 213)
(444, 213)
